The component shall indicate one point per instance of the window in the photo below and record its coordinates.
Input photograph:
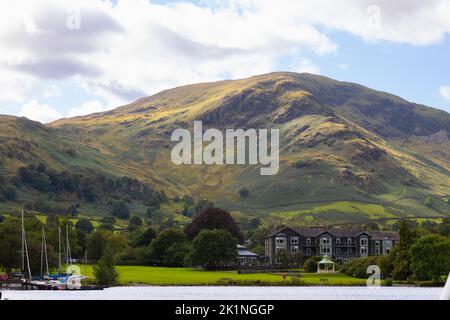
(325, 240)
(338, 240)
(349, 251)
(363, 241)
(294, 240)
(338, 250)
(363, 250)
(349, 240)
(377, 247)
(308, 240)
(387, 246)
(280, 241)
(325, 250)
(294, 249)
(308, 251)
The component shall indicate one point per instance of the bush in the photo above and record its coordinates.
(187, 212)
(120, 210)
(388, 282)
(132, 257)
(358, 267)
(104, 271)
(10, 193)
(142, 238)
(135, 222)
(84, 225)
(73, 210)
(310, 264)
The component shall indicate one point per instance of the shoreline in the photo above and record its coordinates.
(233, 293)
(268, 285)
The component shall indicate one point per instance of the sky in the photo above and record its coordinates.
(66, 58)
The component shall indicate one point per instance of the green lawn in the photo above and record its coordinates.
(189, 276)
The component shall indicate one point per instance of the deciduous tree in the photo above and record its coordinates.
(213, 249)
(214, 218)
(430, 257)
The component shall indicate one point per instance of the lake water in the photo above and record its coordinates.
(233, 293)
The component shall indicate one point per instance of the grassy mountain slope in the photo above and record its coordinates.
(347, 152)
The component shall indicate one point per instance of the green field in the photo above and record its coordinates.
(133, 275)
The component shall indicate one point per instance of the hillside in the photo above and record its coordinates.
(346, 152)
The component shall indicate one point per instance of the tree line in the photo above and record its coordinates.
(422, 254)
(85, 185)
(208, 241)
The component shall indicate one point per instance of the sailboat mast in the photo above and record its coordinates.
(42, 251)
(24, 245)
(45, 252)
(85, 261)
(22, 266)
(68, 254)
(59, 249)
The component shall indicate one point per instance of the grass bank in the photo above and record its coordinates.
(134, 275)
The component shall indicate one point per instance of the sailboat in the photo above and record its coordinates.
(65, 280)
(71, 280)
(42, 280)
(58, 281)
(74, 278)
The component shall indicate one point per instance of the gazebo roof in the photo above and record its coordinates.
(326, 260)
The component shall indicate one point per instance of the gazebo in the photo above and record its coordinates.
(326, 265)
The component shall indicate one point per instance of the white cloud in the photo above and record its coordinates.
(415, 22)
(305, 65)
(39, 112)
(87, 108)
(445, 92)
(135, 48)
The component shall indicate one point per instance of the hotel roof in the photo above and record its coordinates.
(340, 233)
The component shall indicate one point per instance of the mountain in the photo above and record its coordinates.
(346, 152)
